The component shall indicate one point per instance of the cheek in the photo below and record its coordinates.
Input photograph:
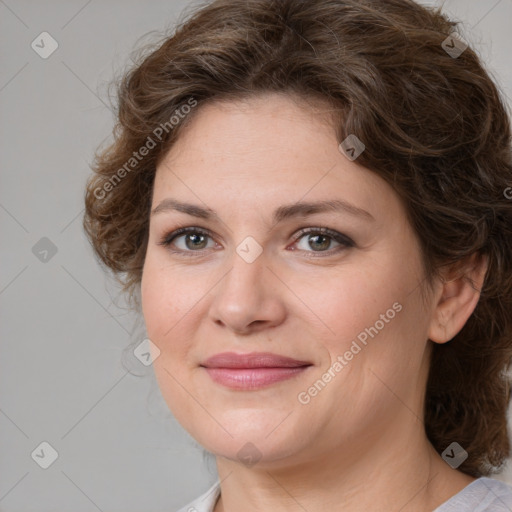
(155, 301)
(377, 347)
(355, 299)
(374, 313)
(166, 296)
(164, 306)
(173, 305)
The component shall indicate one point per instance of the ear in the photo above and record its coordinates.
(457, 297)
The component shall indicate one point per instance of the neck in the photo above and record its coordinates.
(388, 470)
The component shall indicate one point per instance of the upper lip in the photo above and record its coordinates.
(252, 360)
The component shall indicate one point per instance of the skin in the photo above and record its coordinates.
(359, 444)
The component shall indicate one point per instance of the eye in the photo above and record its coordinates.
(194, 240)
(319, 239)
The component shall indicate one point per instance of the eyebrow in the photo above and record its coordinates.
(301, 209)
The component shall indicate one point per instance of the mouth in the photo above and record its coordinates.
(252, 371)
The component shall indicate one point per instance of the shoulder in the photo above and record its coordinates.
(205, 502)
(482, 495)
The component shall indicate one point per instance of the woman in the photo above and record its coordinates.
(307, 201)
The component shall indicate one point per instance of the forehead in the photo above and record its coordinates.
(264, 122)
(262, 150)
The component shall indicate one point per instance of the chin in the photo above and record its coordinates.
(250, 451)
(244, 433)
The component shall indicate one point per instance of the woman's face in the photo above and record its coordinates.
(254, 275)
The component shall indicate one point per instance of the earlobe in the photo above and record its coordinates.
(457, 298)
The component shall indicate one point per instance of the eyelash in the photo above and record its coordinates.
(344, 240)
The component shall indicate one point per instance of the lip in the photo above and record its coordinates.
(252, 371)
(252, 360)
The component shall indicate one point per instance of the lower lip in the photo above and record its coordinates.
(252, 378)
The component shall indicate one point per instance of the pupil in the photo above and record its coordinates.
(196, 238)
(325, 245)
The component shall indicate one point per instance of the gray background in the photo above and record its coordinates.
(67, 373)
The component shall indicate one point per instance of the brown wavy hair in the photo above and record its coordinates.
(435, 127)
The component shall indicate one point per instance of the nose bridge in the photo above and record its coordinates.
(248, 264)
(244, 296)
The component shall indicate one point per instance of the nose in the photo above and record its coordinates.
(250, 296)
